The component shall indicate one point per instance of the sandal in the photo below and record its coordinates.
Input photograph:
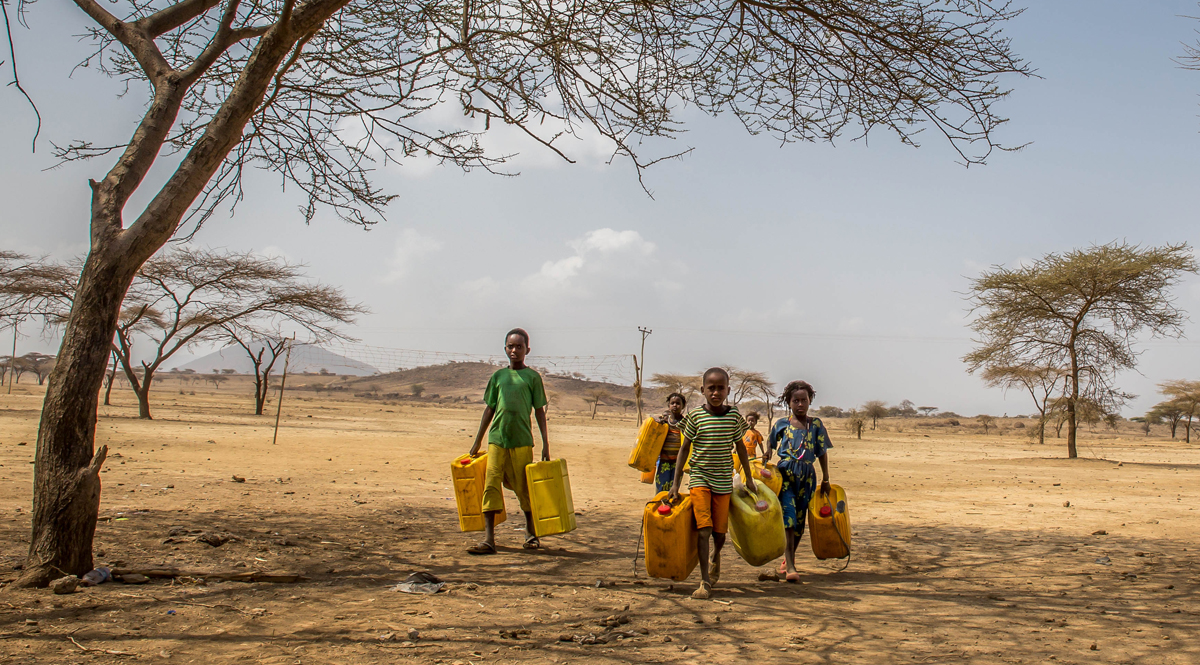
(532, 543)
(482, 548)
(704, 592)
(783, 568)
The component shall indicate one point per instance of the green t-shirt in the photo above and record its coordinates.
(513, 394)
(713, 440)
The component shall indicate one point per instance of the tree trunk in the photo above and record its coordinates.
(66, 485)
(260, 395)
(143, 397)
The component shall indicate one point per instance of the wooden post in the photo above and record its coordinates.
(12, 360)
(287, 357)
(640, 369)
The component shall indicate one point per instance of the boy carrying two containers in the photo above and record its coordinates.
(709, 434)
(511, 394)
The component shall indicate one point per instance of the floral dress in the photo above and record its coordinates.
(798, 448)
(664, 473)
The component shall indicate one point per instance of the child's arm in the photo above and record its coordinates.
(742, 457)
(488, 413)
(824, 460)
(769, 446)
(684, 448)
(540, 414)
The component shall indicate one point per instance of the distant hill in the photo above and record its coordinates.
(466, 381)
(305, 358)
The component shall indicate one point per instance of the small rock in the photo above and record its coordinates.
(1120, 464)
(414, 634)
(599, 584)
(387, 637)
(134, 578)
(768, 577)
(31, 622)
(1094, 647)
(1066, 504)
(565, 638)
(177, 531)
(213, 539)
(1101, 532)
(64, 585)
(432, 556)
(667, 638)
(239, 479)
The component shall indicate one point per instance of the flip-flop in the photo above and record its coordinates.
(704, 592)
(783, 567)
(793, 577)
(482, 548)
(532, 543)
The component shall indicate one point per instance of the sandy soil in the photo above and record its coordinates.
(963, 549)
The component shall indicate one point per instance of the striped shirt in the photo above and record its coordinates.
(713, 440)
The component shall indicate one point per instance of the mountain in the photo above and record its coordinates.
(305, 358)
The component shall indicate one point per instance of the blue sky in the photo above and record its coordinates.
(843, 265)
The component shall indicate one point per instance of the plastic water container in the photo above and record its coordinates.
(550, 498)
(756, 524)
(669, 531)
(649, 445)
(469, 474)
(767, 474)
(829, 523)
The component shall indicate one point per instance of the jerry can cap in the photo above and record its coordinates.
(826, 511)
(761, 505)
(664, 509)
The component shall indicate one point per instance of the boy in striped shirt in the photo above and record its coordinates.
(710, 434)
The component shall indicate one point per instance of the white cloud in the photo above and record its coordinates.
(600, 251)
(411, 247)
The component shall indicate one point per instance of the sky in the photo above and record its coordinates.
(844, 265)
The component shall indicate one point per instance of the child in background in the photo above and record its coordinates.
(664, 473)
(801, 440)
(752, 440)
(511, 394)
(710, 433)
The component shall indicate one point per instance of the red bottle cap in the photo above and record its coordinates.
(826, 511)
(664, 509)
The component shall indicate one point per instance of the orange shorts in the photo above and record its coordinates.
(711, 510)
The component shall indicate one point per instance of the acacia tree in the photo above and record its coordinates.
(986, 421)
(875, 409)
(596, 398)
(684, 384)
(277, 84)
(1185, 396)
(1042, 383)
(189, 295)
(1082, 311)
(1170, 412)
(313, 309)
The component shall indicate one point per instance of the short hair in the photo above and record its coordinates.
(794, 386)
(715, 370)
(679, 395)
(517, 331)
(754, 414)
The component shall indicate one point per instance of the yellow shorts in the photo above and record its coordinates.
(711, 510)
(506, 468)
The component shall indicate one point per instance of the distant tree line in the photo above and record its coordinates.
(179, 299)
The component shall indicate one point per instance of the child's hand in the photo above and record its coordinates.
(545, 453)
(672, 496)
(825, 489)
(751, 485)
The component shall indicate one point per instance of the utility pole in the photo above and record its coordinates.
(12, 360)
(639, 367)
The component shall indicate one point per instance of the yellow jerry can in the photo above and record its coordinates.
(670, 535)
(829, 523)
(767, 474)
(550, 497)
(468, 475)
(648, 477)
(649, 444)
(756, 524)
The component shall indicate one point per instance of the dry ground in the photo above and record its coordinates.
(963, 549)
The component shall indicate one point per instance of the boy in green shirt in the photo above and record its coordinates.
(711, 433)
(511, 394)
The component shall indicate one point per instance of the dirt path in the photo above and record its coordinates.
(963, 551)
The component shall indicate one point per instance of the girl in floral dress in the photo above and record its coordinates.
(800, 441)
